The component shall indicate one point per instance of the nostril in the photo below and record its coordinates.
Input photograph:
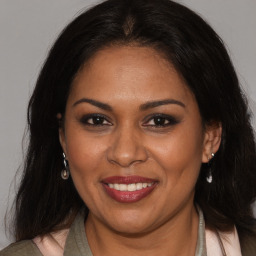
(126, 158)
(126, 148)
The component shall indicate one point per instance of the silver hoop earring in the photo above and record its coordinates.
(65, 172)
(209, 176)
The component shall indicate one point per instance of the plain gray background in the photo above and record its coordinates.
(29, 27)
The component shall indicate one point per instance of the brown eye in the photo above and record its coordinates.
(161, 120)
(95, 120)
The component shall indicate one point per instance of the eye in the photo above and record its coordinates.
(160, 120)
(95, 120)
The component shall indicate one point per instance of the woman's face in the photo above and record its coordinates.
(134, 139)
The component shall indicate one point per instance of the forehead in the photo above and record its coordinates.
(125, 72)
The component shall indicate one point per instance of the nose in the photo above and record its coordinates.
(127, 148)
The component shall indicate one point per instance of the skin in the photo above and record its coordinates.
(128, 142)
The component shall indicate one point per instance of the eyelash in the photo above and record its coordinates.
(85, 120)
(161, 117)
(101, 118)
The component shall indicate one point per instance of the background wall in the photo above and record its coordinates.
(29, 27)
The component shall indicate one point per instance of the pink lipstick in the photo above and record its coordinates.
(128, 189)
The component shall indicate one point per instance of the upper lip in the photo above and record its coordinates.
(127, 180)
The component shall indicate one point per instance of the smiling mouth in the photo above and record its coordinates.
(129, 189)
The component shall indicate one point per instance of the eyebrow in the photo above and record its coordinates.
(154, 104)
(143, 107)
(95, 103)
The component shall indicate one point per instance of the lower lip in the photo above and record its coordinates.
(128, 196)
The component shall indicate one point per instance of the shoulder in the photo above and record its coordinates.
(22, 248)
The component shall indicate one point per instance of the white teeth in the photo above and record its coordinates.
(116, 186)
(129, 187)
(138, 186)
(122, 187)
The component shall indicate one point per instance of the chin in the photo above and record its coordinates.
(131, 226)
(131, 230)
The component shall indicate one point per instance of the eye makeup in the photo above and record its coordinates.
(160, 120)
(95, 119)
(154, 121)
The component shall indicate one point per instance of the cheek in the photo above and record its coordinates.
(84, 153)
(180, 155)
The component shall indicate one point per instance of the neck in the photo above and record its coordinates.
(169, 237)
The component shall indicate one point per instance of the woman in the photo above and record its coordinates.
(140, 140)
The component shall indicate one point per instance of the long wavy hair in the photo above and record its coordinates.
(45, 202)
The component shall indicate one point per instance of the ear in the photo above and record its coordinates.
(61, 133)
(212, 140)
